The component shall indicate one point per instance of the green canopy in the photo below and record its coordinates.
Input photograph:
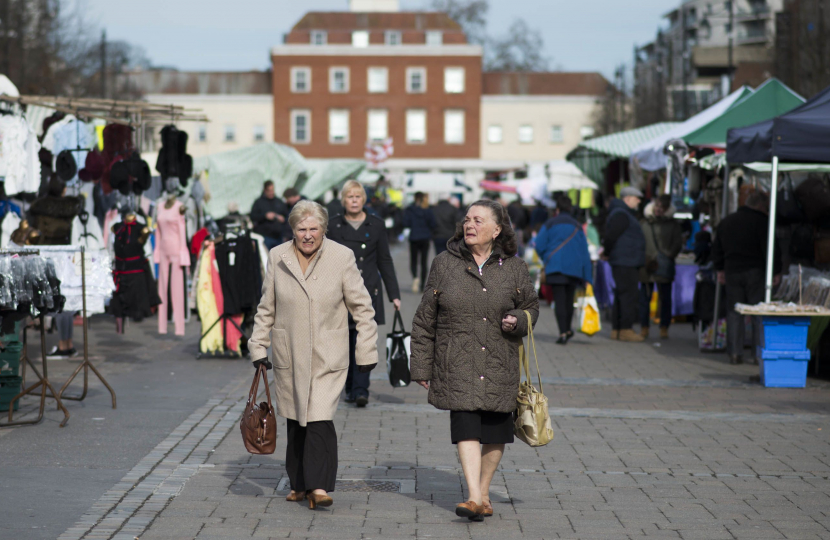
(237, 175)
(771, 99)
(592, 156)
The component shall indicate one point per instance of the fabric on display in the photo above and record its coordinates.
(19, 161)
(74, 137)
(135, 289)
(171, 254)
(173, 160)
(232, 335)
(237, 260)
(87, 233)
(98, 274)
(206, 304)
(29, 285)
(9, 223)
(118, 144)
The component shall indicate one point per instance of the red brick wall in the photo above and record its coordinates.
(358, 100)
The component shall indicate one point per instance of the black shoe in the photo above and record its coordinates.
(361, 401)
(71, 353)
(569, 335)
(735, 359)
(349, 399)
(563, 339)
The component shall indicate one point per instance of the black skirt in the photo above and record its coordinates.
(486, 426)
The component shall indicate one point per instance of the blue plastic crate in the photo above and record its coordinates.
(784, 333)
(783, 369)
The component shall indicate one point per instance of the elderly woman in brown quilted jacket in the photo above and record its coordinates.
(465, 342)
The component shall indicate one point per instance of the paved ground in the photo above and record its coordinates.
(651, 441)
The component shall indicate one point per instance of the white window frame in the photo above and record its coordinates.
(409, 117)
(201, 135)
(529, 128)
(346, 137)
(229, 133)
(586, 132)
(295, 71)
(376, 114)
(392, 37)
(410, 72)
(295, 113)
(321, 34)
(434, 37)
(455, 86)
(557, 134)
(491, 131)
(360, 38)
(259, 133)
(449, 116)
(332, 75)
(377, 69)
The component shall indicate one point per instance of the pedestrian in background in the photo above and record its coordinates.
(447, 217)
(465, 342)
(625, 249)
(420, 221)
(664, 240)
(740, 257)
(269, 214)
(365, 235)
(563, 249)
(311, 286)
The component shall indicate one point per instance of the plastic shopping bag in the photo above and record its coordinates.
(588, 312)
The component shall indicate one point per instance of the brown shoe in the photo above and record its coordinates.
(295, 496)
(631, 336)
(615, 334)
(644, 332)
(488, 509)
(664, 333)
(315, 500)
(470, 510)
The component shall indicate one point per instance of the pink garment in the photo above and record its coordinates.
(232, 335)
(171, 254)
(109, 217)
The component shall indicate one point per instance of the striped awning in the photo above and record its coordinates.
(620, 145)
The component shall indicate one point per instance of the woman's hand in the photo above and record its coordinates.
(508, 324)
(425, 384)
(397, 303)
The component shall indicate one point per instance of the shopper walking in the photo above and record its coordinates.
(420, 221)
(447, 216)
(740, 257)
(563, 249)
(625, 249)
(311, 286)
(365, 235)
(465, 342)
(268, 215)
(664, 240)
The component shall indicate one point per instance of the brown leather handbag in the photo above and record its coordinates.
(258, 424)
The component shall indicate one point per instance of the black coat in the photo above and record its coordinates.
(370, 245)
(266, 227)
(741, 243)
(447, 217)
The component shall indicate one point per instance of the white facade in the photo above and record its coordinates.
(364, 6)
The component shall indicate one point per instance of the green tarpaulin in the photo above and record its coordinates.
(769, 100)
(237, 175)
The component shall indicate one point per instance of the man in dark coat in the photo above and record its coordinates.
(447, 216)
(269, 215)
(740, 257)
(625, 249)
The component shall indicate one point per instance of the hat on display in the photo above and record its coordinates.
(130, 174)
(630, 192)
(65, 166)
(173, 159)
(93, 167)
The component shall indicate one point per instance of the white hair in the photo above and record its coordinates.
(304, 209)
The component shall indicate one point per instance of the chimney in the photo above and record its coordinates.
(368, 6)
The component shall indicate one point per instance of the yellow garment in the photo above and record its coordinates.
(586, 198)
(573, 195)
(618, 188)
(395, 196)
(99, 132)
(206, 303)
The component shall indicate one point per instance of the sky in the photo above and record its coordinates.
(582, 35)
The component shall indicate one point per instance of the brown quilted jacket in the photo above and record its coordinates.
(457, 341)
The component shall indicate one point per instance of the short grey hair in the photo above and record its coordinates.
(350, 186)
(304, 209)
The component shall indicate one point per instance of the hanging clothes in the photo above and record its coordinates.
(71, 136)
(19, 161)
(206, 303)
(231, 333)
(239, 269)
(172, 255)
(87, 232)
(135, 290)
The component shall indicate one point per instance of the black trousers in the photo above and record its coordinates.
(440, 245)
(418, 253)
(357, 383)
(664, 291)
(563, 305)
(746, 287)
(311, 456)
(626, 306)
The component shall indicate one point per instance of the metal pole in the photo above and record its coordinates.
(685, 66)
(104, 64)
(723, 213)
(731, 41)
(773, 185)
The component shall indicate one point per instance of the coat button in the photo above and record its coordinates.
(485, 318)
(362, 246)
(301, 279)
(315, 277)
(483, 348)
(361, 258)
(482, 377)
(484, 289)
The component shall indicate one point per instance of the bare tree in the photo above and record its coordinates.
(470, 14)
(520, 50)
(614, 110)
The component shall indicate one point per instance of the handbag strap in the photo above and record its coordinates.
(560, 246)
(261, 373)
(524, 361)
(398, 319)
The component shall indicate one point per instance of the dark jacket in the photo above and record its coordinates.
(664, 233)
(266, 227)
(420, 221)
(370, 245)
(539, 215)
(457, 341)
(741, 243)
(446, 218)
(624, 242)
(573, 258)
(53, 216)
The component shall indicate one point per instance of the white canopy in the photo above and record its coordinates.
(7, 87)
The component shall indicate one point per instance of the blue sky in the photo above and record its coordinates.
(583, 35)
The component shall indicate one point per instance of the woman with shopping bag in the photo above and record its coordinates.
(562, 246)
(466, 337)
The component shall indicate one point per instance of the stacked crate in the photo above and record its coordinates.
(11, 349)
(782, 351)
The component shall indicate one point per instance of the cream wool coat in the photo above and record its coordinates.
(304, 318)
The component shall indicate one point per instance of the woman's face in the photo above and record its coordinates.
(308, 235)
(354, 201)
(480, 227)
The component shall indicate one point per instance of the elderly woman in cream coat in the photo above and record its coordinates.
(311, 286)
